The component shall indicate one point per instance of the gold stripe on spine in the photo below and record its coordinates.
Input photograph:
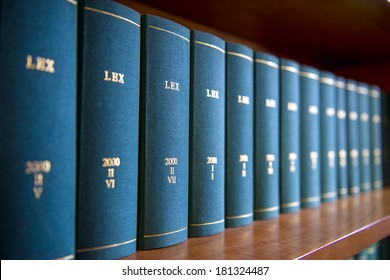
(267, 62)
(110, 14)
(362, 90)
(311, 199)
(327, 81)
(105, 246)
(240, 216)
(206, 224)
(69, 257)
(289, 68)
(351, 87)
(241, 55)
(269, 209)
(329, 195)
(170, 32)
(165, 233)
(291, 204)
(343, 191)
(340, 84)
(211, 46)
(375, 93)
(309, 75)
(355, 189)
(72, 2)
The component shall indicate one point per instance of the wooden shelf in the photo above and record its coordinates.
(336, 230)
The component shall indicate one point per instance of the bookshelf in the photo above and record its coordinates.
(349, 38)
(336, 230)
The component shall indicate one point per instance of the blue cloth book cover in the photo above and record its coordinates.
(290, 179)
(239, 135)
(164, 133)
(328, 126)
(108, 135)
(267, 139)
(385, 138)
(310, 137)
(353, 138)
(342, 138)
(365, 138)
(376, 137)
(207, 135)
(38, 129)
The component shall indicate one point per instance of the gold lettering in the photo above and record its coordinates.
(270, 158)
(110, 183)
(212, 93)
(244, 159)
(40, 64)
(292, 157)
(172, 85)
(243, 99)
(114, 77)
(38, 192)
(314, 159)
(172, 179)
(111, 172)
(37, 168)
(106, 76)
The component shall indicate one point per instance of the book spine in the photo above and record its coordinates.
(386, 138)
(207, 135)
(38, 129)
(267, 140)
(364, 136)
(290, 179)
(376, 137)
(239, 135)
(328, 127)
(353, 138)
(164, 133)
(342, 138)
(310, 137)
(108, 136)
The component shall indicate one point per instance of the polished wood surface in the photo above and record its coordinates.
(335, 230)
(332, 35)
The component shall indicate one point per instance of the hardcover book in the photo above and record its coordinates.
(267, 140)
(310, 137)
(108, 136)
(164, 133)
(290, 179)
(38, 129)
(386, 137)
(364, 135)
(342, 138)
(376, 137)
(239, 135)
(328, 127)
(353, 138)
(207, 135)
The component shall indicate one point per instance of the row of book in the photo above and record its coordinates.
(121, 132)
(376, 251)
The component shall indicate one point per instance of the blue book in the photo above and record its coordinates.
(207, 135)
(353, 138)
(386, 137)
(328, 126)
(239, 135)
(376, 137)
(342, 138)
(108, 136)
(364, 136)
(290, 179)
(38, 129)
(310, 137)
(267, 140)
(164, 133)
